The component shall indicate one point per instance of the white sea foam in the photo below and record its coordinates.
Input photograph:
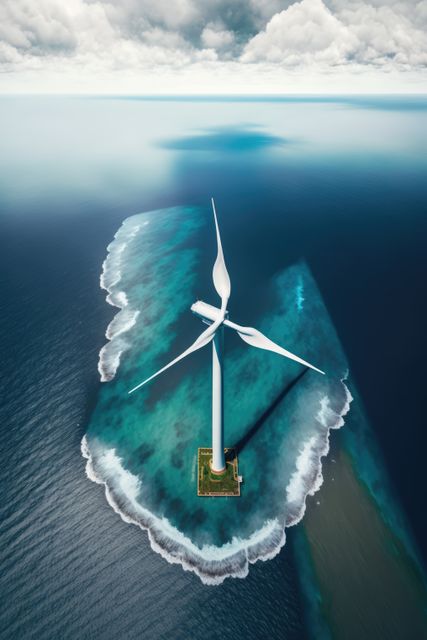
(125, 319)
(299, 291)
(307, 477)
(211, 563)
(117, 299)
(215, 563)
(109, 358)
(122, 322)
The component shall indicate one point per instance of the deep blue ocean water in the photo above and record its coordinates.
(338, 182)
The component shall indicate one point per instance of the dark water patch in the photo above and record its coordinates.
(392, 102)
(180, 428)
(176, 504)
(397, 103)
(226, 140)
(177, 460)
(199, 516)
(142, 453)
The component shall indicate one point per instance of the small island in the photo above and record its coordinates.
(217, 484)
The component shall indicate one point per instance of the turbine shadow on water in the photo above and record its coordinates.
(239, 446)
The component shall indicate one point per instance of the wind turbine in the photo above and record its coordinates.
(217, 318)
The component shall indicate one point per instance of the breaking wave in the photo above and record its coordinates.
(125, 319)
(308, 478)
(213, 564)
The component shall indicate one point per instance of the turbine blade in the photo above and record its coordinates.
(257, 339)
(220, 276)
(203, 339)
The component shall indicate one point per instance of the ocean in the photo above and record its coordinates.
(332, 190)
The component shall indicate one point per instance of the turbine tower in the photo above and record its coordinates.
(217, 319)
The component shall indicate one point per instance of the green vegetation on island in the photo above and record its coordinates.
(213, 484)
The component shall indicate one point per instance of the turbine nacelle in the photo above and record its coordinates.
(207, 312)
(212, 315)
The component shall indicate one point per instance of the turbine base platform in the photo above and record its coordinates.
(217, 485)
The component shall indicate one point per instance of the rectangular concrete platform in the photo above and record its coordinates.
(209, 484)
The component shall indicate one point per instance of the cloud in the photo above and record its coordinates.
(134, 16)
(309, 32)
(385, 36)
(306, 30)
(250, 39)
(43, 27)
(215, 37)
(49, 26)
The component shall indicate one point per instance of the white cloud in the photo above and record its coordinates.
(45, 25)
(308, 32)
(305, 30)
(384, 36)
(215, 37)
(134, 15)
(240, 43)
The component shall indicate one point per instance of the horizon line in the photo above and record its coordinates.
(160, 96)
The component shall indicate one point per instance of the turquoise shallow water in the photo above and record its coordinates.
(277, 414)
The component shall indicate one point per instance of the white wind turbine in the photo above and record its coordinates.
(217, 319)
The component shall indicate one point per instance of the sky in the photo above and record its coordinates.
(213, 46)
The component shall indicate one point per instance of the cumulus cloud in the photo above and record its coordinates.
(43, 27)
(239, 37)
(215, 37)
(305, 30)
(309, 32)
(383, 36)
